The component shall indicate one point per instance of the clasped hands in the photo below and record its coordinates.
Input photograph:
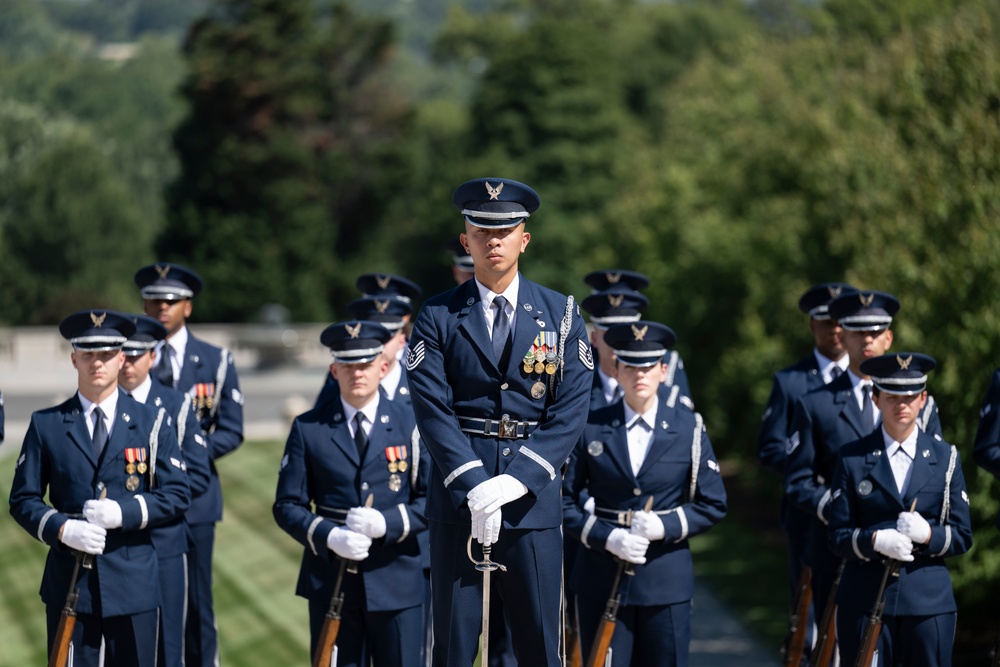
(897, 543)
(485, 500)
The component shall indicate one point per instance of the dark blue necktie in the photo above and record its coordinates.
(100, 432)
(360, 437)
(867, 411)
(165, 373)
(501, 329)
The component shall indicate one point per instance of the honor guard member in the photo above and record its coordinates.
(388, 300)
(111, 470)
(617, 299)
(875, 484)
(206, 373)
(171, 538)
(499, 429)
(636, 449)
(827, 361)
(337, 457)
(462, 268)
(831, 416)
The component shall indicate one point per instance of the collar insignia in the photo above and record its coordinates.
(354, 331)
(494, 191)
(615, 301)
(163, 271)
(904, 364)
(866, 300)
(639, 333)
(383, 281)
(98, 321)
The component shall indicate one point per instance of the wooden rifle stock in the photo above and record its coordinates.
(59, 655)
(794, 646)
(331, 624)
(823, 651)
(606, 628)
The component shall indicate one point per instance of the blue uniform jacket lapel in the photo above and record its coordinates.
(923, 466)
(849, 409)
(76, 424)
(379, 435)
(617, 442)
(531, 319)
(192, 362)
(472, 320)
(340, 432)
(663, 437)
(879, 469)
(122, 433)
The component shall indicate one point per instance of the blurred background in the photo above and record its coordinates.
(734, 151)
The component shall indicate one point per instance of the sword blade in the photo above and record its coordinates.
(486, 619)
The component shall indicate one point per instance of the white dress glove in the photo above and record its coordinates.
(348, 544)
(82, 536)
(367, 521)
(105, 513)
(489, 496)
(486, 527)
(630, 548)
(914, 527)
(648, 525)
(590, 506)
(892, 543)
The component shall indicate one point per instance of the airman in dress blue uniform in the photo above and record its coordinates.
(500, 370)
(617, 299)
(207, 374)
(169, 539)
(320, 501)
(833, 415)
(873, 518)
(827, 361)
(638, 448)
(389, 301)
(111, 469)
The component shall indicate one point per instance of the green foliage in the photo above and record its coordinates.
(288, 118)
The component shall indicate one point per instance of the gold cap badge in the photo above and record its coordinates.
(383, 281)
(494, 191)
(639, 333)
(904, 364)
(354, 331)
(866, 300)
(98, 321)
(162, 271)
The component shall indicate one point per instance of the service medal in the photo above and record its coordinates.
(550, 368)
(538, 390)
(395, 483)
(403, 465)
(539, 354)
(539, 367)
(131, 454)
(528, 367)
(141, 455)
(130, 468)
(132, 483)
(393, 466)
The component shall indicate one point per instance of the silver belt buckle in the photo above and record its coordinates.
(507, 428)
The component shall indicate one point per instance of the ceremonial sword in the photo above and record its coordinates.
(486, 566)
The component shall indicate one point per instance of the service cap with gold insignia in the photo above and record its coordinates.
(903, 373)
(167, 281)
(642, 343)
(390, 313)
(355, 341)
(607, 279)
(148, 332)
(864, 311)
(614, 306)
(495, 202)
(387, 285)
(816, 301)
(97, 330)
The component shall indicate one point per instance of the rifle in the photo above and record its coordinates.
(609, 619)
(331, 624)
(822, 653)
(59, 656)
(794, 645)
(873, 624)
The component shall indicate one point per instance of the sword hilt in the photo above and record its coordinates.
(484, 565)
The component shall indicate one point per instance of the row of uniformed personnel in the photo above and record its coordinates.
(127, 465)
(502, 379)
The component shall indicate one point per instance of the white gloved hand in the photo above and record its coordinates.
(486, 527)
(648, 525)
(367, 521)
(348, 544)
(489, 496)
(630, 548)
(105, 513)
(82, 536)
(590, 505)
(914, 527)
(892, 543)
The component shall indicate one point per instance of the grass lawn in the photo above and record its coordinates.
(262, 623)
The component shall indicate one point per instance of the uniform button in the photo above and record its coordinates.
(504, 386)
(506, 451)
(364, 486)
(637, 491)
